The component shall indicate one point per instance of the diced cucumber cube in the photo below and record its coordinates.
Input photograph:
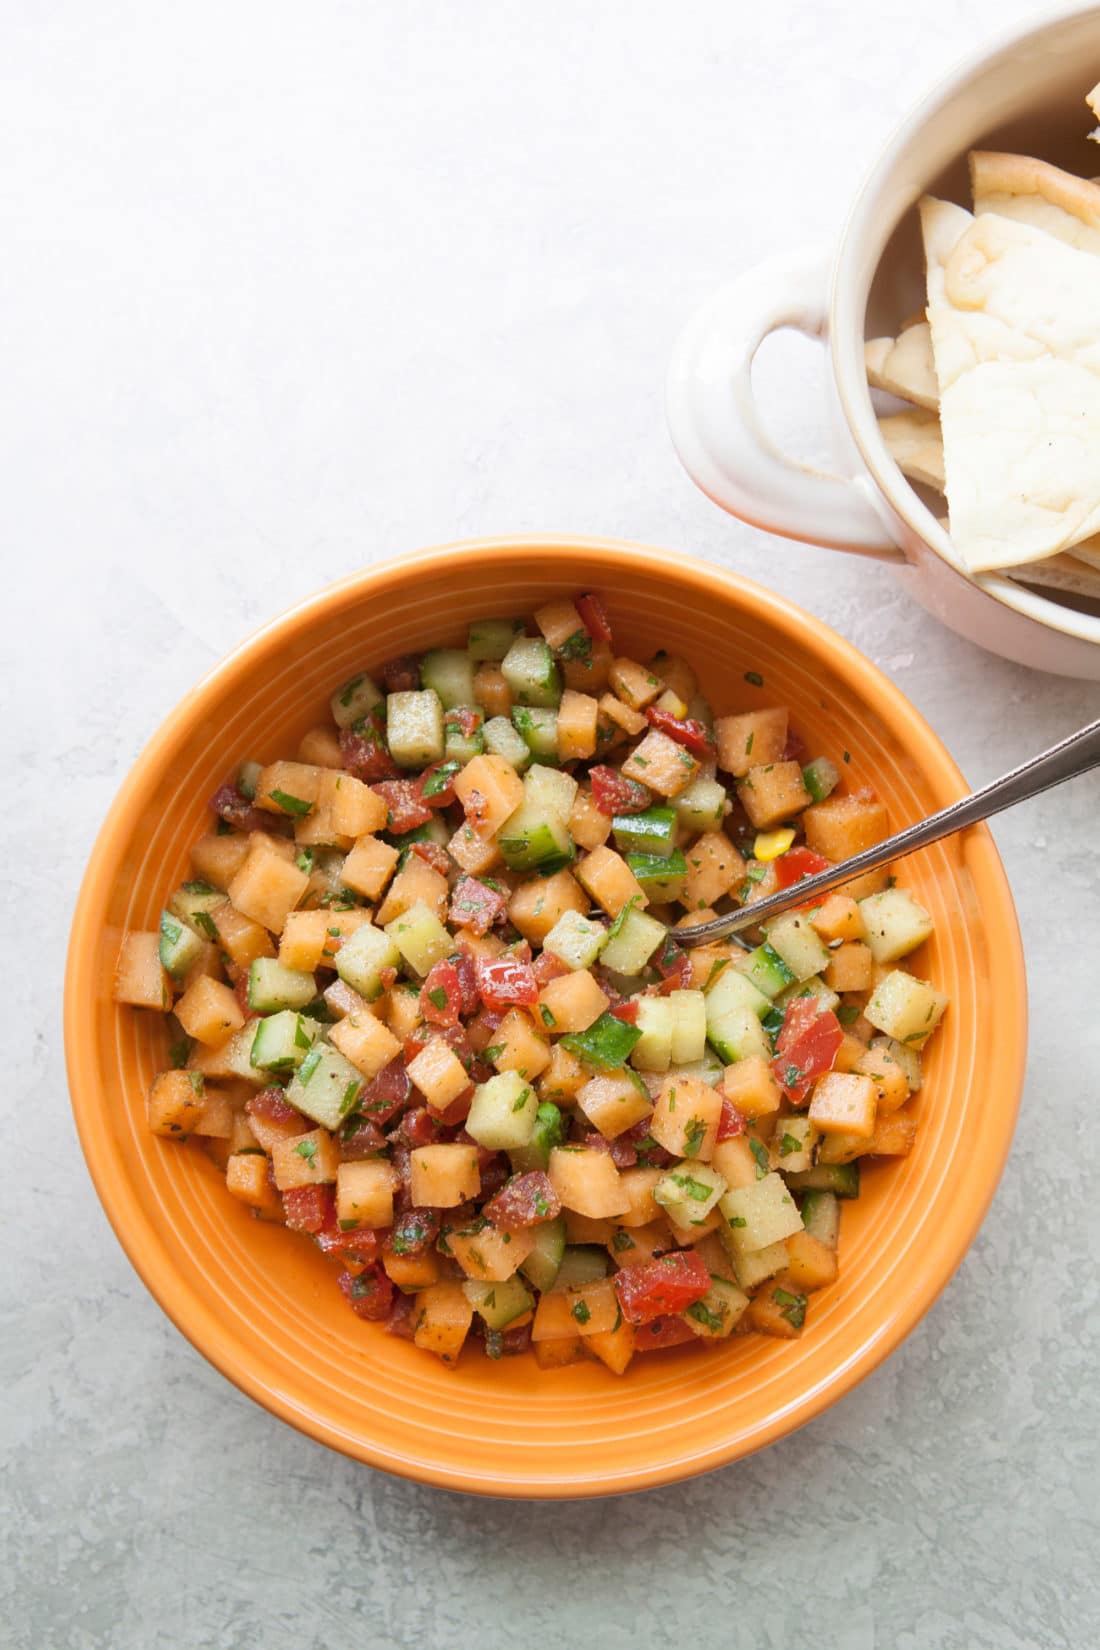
(734, 1006)
(490, 639)
(753, 1267)
(799, 945)
(688, 1192)
(895, 924)
(821, 1217)
(414, 728)
(689, 1026)
(499, 1304)
(503, 1112)
(906, 1008)
(766, 969)
(793, 1145)
(549, 1132)
(575, 940)
(731, 989)
(193, 902)
(631, 940)
(907, 1058)
(248, 778)
(180, 946)
(283, 1040)
(502, 739)
(707, 1070)
(580, 1264)
(662, 877)
(271, 986)
(655, 1022)
(701, 806)
(551, 789)
(842, 1179)
(325, 1087)
(821, 778)
(538, 728)
(361, 959)
(544, 1261)
(354, 700)
(449, 673)
(533, 840)
(531, 674)
(826, 998)
(419, 936)
(461, 740)
(760, 1214)
(652, 832)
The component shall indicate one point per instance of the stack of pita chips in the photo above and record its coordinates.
(1002, 372)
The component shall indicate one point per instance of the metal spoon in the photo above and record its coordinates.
(1070, 757)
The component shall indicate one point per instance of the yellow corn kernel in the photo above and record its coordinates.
(770, 844)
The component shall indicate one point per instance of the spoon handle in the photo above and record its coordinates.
(1075, 755)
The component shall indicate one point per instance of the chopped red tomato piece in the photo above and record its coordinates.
(547, 967)
(475, 905)
(403, 1315)
(240, 991)
(234, 807)
(459, 1109)
(483, 1028)
(366, 754)
(662, 1332)
(273, 1106)
(526, 1200)
(694, 735)
(806, 1047)
(418, 1127)
(668, 1284)
(436, 784)
(594, 617)
(369, 1294)
(646, 1150)
(307, 1208)
(386, 1094)
(361, 1140)
(405, 807)
(465, 719)
(402, 675)
(505, 980)
(626, 1011)
(673, 965)
(730, 1123)
(434, 855)
(412, 1232)
(797, 863)
(794, 750)
(614, 793)
(467, 983)
(454, 1036)
(361, 1244)
(441, 995)
(620, 1151)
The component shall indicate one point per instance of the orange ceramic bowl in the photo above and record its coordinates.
(262, 1304)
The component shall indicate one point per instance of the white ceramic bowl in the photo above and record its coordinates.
(1026, 96)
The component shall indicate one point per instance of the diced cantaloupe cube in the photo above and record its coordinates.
(302, 942)
(320, 747)
(633, 683)
(490, 790)
(444, 1176)
(413, 1271)
(661, 764)
(735, 1162)
(811, 1264)
(888, 1076)
(443, 1321)
(617, 721)
(558, 1354)
(614, 1102)
(588, 827)
(216, 1120)
(588, 1181)
(537, 905)
(588, 674)
(685, 1117)
(209, 1012)
(894, 1135)
(489, 1253)
(751, 1086)
(307, 1160)
(589, 1309)
(364, 1193)
(714, 867)
(563, 1077)
(248, 1179)
(175, 1103)
(366, 1042)
(843, 1102)
(139, 977)
(241, 938)
(520, 1046)
(607, 877)
(268, 887)
(850, 966)
(356, 809)
(369, 866)
(772, 792)
(288, 789)
(844, 825)
(751, 740)
(217, 859)
(559, 623)
(614, 1347)
(638, 1185)
(417, 883)
(474, 854)
(838, 917)
(577, 715)
(437, 1072)
(778, 1311)
(401, 1010)
(491, 690)
(572, 1002)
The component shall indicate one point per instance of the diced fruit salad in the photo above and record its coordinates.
(427, 1005)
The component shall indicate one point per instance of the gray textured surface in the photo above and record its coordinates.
(289, 287)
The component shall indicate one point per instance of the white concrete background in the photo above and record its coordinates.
(285, 288)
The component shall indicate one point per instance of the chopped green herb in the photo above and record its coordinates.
(697, 1190)
(195, 1078)
(738, 1220)
(703, 1314)
(577, 646)
(789, 1143)
(494, 1053)
(440, 779)
(581, 1312)
(749, 744)
(350, 1095)
(438, 996)
(295, 805)
(521, 1099)
(754, 678)
(178, 1052)
(694, 1135)
(304, 860)
(760, 1153)
(307, 1150)
(848, 1013)
(794, 1307)
(621, 1240)
(847, 756)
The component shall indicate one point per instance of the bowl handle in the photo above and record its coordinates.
(716, 428)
